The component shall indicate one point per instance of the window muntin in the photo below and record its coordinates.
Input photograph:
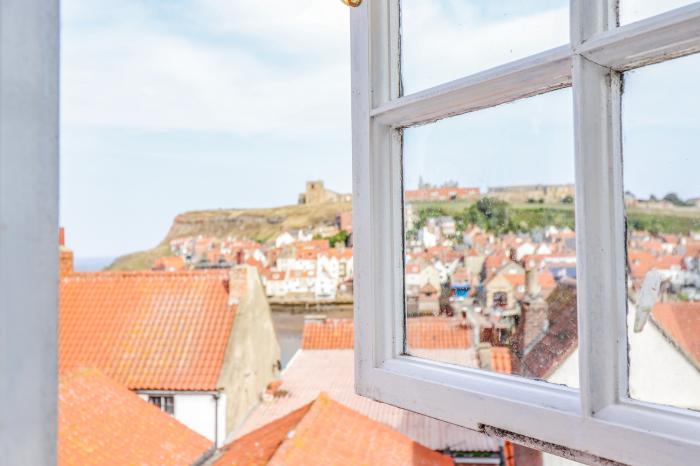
(662, 197)
(447, 39)
(634, 10)
(165, 403)
(490, 270)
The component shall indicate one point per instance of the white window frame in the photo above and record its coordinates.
(29, 56)
(598, 421)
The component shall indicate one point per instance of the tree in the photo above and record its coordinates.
(675, 200)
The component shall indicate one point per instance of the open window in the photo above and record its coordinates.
(562, 337)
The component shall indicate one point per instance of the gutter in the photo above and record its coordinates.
(205, 456)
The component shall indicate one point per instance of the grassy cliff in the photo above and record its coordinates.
(257, 224)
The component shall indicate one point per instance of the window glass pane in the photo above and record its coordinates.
(662, 186)
(490, 260)
(634, 10)
(442, 40)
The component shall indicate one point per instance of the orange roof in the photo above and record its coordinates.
(149, 330)
(423, 332)
(328, 334)
(436, 333)
(326, 432)
(170, 263)
(681, 322)
(103, 423)
(256, 448)
(495, 260)
(501, 360)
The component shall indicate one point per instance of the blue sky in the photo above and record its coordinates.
(170, 106)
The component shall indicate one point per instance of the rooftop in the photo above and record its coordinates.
(332, 371)
(103, 423)
(326, 432)
(148, 330)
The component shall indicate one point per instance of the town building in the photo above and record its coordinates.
(451, 193)
(327, 432)
(316, 193)
(199, 344)
(325, 364)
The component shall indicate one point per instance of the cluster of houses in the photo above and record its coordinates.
(516, 294)
(182, 368)
(293, 267)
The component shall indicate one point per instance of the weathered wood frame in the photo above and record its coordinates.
(599, 420)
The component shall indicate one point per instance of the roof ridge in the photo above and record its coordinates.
(113, 274)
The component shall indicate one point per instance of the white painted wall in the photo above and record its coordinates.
(567, 372)
(553, 460)
(659, 373)
(29, 55)
(199, 412)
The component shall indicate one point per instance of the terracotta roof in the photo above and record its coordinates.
(495, 261)
(103, 423)
(326, 432)
(149, 330)
(501, 360)
(681, 322)
(436, 333)
(314, 371)
(256, 448)
(423, 332)
(328, 334)
(560, 339)
(170, 263)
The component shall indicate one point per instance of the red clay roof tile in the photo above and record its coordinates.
(103, 423)
(423, 333)
(148, 330)
(681, 322)
(326, 432)
(257, 447)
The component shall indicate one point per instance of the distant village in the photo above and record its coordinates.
(184, 363)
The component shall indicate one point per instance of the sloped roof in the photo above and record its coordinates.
(148, 330)
(680, 321)
(560, 339)
(314, 371)
(327, 432)
(328, 334)
(256, 448)
(103, 423)
(422, 332)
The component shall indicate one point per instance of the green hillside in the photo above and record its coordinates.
(257, 224)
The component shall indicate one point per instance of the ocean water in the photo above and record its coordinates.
(91, 264)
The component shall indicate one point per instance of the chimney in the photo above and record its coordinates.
(534, 315)
(238, 283)
(532, 282)
(65, 254)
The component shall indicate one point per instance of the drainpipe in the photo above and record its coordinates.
(216, 420)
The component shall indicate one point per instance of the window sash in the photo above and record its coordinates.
(598, 419)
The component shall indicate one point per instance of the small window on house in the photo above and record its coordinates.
(165, 403)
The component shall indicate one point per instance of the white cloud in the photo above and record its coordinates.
(446, 40)
(634, 10)
(129, 71)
